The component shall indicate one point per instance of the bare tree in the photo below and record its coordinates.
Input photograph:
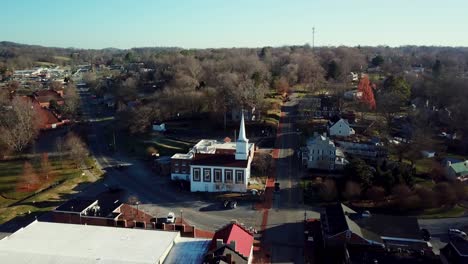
(29, 180)
(72, 99)
(352, 190)
(376, 193)
(77, 149)
(262, 162)
(20, 124)
(327, 190)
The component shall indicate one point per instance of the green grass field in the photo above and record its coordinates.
(11, 194)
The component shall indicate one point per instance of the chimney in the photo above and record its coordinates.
(219, 243)
(449, 163)
(232, 244)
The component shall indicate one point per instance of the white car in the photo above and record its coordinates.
(170, 217)
(457, 233)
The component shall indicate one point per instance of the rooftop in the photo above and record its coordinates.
(460, 167)
(45, 96)
(234, 232)
(372, 227)
(188, 250)
(221, 160)
(42, 242)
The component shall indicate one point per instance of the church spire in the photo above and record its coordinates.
(242, 137)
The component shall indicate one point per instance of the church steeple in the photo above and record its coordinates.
(242, 143)
(242, 137)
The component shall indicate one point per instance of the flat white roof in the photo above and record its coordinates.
(42, 242)
(188, 250)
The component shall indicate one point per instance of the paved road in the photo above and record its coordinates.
(439, 227)
(284, 233)
(156, 195)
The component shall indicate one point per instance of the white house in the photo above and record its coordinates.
(341, 128)
(457, 170)
(321, 153)
(213, 166)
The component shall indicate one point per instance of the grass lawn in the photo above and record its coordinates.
(455, 211)
(428, 183)
(424, 166)
(10, 193)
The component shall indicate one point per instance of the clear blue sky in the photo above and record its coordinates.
(233, 23)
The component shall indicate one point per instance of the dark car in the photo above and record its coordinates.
(425, 234)
(228, 204)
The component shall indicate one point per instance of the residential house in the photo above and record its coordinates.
(320, 107)
(44, 97)
(362, 147)
(321, 153)
(456, 170)
(47, 119)
(455, 252)
(341, 225)
(213, 166)
(341, 128)
(231, 244)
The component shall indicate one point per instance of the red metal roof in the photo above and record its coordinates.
(234, 232)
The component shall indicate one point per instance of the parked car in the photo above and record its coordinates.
(452, 232)
(230, 204)
(170, 218)
(425, 234)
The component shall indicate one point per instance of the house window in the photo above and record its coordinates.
(196, 175)
(228, 176)
(207, 175)
(184, 164)
(176, 170)
(239, 176)
(217, 175)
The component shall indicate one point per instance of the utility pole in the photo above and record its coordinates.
(313, 37)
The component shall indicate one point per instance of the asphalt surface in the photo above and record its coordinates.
(156, 194)
(284, 235)
(438, 228)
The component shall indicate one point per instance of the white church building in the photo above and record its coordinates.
(216, 166)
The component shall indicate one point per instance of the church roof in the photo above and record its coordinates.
(221, 160)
